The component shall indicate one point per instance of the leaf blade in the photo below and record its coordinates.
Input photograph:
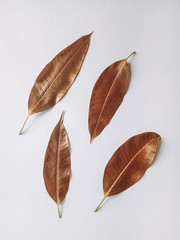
(107, 95)
(57, 165)
(129, 163)
(67, 63)
(57, 77)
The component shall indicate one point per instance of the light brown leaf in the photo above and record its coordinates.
(57, 165)
(129, 163)
(107, 95)
(57, 77)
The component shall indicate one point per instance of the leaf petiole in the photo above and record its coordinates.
(130, 55)
(100, 203)
(24, 124)
(58, 211)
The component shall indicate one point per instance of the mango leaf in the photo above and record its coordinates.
(107, 95)
(57, 77)
(129, 163)
(57, 165)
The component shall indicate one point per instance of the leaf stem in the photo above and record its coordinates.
(100, 203)
(91, 140)
(130, 55)
(58, 211)
(24, 123)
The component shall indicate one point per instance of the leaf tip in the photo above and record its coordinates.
(62, 116)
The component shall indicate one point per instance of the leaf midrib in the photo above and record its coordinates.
(57, 164)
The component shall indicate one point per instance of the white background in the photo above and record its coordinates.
(31, 34)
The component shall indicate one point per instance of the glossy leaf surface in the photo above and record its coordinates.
(57, 165)
(129, 163)
(57, 77)
(107, 95)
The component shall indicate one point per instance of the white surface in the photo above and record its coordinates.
(32, 33)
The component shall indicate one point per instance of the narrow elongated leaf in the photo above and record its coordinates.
(57, 165)
(129, 163)
(107, 95)
(57, 77)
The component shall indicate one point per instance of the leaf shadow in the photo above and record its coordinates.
(61, 206)
(159, 146)
(129, 75)
(129, 72)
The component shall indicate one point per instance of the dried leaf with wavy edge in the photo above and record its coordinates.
(57, 77)
(107, 95)
(57, 165)
(129, 163)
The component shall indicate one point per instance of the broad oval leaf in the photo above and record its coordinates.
(57, 165)
(107, 95)
(57, 77)
(129, 163)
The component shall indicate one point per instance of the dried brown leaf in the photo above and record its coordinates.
(107, 95)
(57, 165)
(129, 163)
(57, 77)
